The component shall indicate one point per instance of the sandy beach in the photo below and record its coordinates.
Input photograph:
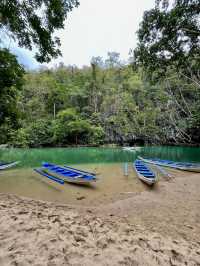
(151, 227)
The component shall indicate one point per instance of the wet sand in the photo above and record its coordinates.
(112, 185)
(151, 227)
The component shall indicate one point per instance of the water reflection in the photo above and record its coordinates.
(34, 157)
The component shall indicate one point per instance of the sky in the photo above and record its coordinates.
(95, 28)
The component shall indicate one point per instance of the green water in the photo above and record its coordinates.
(112, 184)
(34, 157)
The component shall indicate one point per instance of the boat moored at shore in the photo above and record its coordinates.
(4, 165)
(144, 173)
(66, 174)
(191, 167)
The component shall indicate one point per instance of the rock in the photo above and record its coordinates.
(189, 226)
(79, 238)
(102, 242)
(80, 198)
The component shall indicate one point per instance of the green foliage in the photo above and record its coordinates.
(40, 133)
(105, 103)
(11, 81)
(10, 71)
(34, 23)
(169, 37)
(67, 115)
(70, 128)
(168, 53)
(6, 129)
(35, 134)
(61, 125)
(20, 138)
(157, 100)
(96, 136)
(79, 130)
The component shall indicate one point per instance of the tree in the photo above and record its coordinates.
(11, 74)
(71, 128)
(169, 36)
(98, 61)
(168, 53)
(10, 71)
(36, 134)
(34, 23)
(113, 60)
(11, 81)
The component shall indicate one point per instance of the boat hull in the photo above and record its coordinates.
(190, 169)
(69, 174)
(148, 181)
(77, 180)
(9, 165)
(145, 174)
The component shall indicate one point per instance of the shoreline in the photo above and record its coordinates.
(105, 145)
(154, 227)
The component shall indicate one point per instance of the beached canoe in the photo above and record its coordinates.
(144, 173)
(43, 173)
(192, 167)
(69, 174)
(4, 165)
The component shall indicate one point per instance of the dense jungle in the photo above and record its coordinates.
(154, 98)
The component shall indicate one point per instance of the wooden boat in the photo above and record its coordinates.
(144, 173)
(68, 174)
(42, 172)
(192, 167)
(4, 165)
(79, 171)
